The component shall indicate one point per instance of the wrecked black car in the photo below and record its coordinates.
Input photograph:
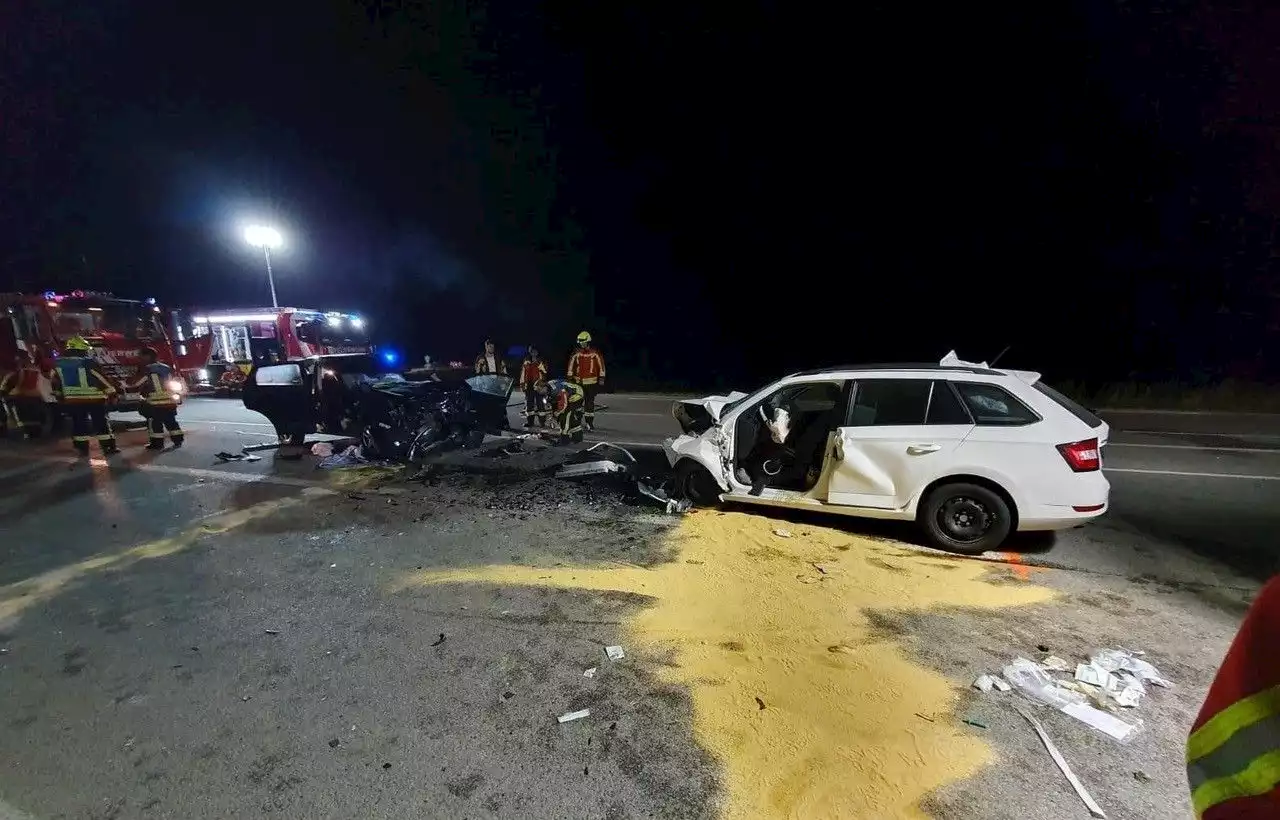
(393, 418)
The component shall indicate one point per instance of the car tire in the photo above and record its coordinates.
(965, 518)
(692, 481)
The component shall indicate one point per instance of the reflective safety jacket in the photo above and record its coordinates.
(24, 383)
(153, 383)
(566, 394)
(586, 366)
(1233, 754)
(79, 381)
(531, 372)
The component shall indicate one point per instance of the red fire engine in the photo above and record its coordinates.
(241, 338)
(117, 329)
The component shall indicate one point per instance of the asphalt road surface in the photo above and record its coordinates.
(183, 637)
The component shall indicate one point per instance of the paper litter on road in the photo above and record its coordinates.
(615, 653)
(1055, 664)
(590, 673)
(984, 683)
(1028, 678)
(1115, 660)
(568, 716)
(782, 533)
(1093, 675)
(1094, 809)
(1000, 684)
(1106, 723)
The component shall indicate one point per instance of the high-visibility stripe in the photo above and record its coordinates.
(1219, 728)
(1243, 747)
(1259, 777)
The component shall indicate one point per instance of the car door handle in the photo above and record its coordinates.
(922, 449)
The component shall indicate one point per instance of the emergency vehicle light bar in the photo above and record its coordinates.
(233, 318)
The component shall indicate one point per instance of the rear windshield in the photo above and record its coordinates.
(1069, 405)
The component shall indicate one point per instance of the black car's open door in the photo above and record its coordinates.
(488, 397)
(282, 393)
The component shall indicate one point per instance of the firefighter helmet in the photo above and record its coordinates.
(584, 338)
(78, 344)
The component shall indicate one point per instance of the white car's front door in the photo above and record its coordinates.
(881, 458)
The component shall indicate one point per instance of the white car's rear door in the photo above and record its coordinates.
(881, 460)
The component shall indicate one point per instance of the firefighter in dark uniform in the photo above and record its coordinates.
(23, 400)
(489, 363)
(84, 393)
(586, 368)
(162, 402)
(565, 399)
(533, 370)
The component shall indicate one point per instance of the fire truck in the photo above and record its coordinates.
(238, 339)
(117, 329)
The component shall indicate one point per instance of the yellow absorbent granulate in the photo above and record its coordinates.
(754, 618)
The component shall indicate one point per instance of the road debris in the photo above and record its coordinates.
(439, 640)
(782, 533)
(1094, 809)
(272, 631)
(322, 449)
(974, 722)
(1114, 660)
(225, 457)
(1055, 664)
(760, 704)
(649, 487)
(589, 673)
(984, 683)
(1066, 696)
(568, 716)
(615, 653)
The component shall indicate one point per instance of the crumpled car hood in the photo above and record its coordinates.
(699, 415)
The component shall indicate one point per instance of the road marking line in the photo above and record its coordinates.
(1271, 450)
(190, 472)
(1268, 436)
(1190, 475)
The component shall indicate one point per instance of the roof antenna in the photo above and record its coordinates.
(998, 355)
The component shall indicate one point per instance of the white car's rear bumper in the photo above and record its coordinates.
(1090, 497)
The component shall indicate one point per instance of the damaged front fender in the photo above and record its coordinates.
(704, 450)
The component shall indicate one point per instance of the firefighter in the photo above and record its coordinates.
(489, 363)
(1233, 753)
(533, 370)
(84, 393)
(23, 399)
(9, 423)
(565, 398)
(162, 402)
(586, 368)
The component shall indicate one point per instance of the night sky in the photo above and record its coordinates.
(719, 192)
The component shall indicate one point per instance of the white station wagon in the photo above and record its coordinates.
(970, 452)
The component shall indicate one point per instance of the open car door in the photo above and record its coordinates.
(282, 393)
(488, 397)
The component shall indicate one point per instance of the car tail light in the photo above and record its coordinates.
(1082, 456)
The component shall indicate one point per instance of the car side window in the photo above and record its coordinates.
(888, 402)
(279, 374)
(945, 406)
(993, 406)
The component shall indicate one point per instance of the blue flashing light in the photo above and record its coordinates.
(149, 301)
(48, 295)
(390, 357)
